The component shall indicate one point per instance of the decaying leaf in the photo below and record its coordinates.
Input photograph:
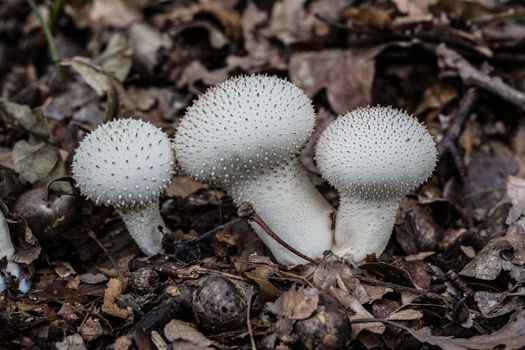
(183, 334)
(39, 163)
(295, 304)
(115, 288)
(347, 87)
(30, 120)
(487, 263)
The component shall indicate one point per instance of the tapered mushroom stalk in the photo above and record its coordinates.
(245, 135)
(373, 157)
(127, 164)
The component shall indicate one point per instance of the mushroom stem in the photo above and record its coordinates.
(358, 220)
(291, 205)
(144, 224)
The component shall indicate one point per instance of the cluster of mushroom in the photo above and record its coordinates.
(244, 135)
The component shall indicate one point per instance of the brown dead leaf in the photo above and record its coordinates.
(495, 304)
(349, 301)
(405, 315)
(115, 288)
(147, 42)
(516, 237)
(415, 228)
(487, 263)
(114, 13)
(181, 333)
(91, 329)
(183, 187)
(516, 192)
(71, 342)
(295, 304)
(348, 86)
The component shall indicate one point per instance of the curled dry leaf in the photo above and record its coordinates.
(115, 288)
(487, 264)
(181, 333)
(348, 86)
(295, 304)
(516, 192)
(30, 120)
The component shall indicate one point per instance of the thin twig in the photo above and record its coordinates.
(51, 43)
(473, 76)
(403, 288)
(113, 262)
(449, 143)
(247, 211)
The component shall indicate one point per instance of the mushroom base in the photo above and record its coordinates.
(364, 226)
(292, 207)
(144, 225)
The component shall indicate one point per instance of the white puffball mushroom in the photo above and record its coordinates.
(244, 135)
(127, 164)
(373, 156)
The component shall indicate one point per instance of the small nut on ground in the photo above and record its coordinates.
(144, 281)
(326, 329)
(218, 305)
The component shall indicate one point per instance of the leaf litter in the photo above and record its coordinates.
(452, 275)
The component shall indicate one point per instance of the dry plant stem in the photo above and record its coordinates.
(247, 211)
(403, 288)
(113, 262)
(473, 76)
(449, 143)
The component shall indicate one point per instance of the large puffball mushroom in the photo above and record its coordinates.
(373, 156)
(127, 164)
(244, 135)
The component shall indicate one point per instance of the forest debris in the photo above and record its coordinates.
(295, 304)
(147, 42)
(487, 263)
(115, 287)
(471, 75)
(516, 237)
(39, 163)
(103, 83)
(516, 192)
(31, 120)
(116, 57)
(496, 304)
(91, 329)
(347, 87)
(180, 333)
(71, 342)
(115, 13)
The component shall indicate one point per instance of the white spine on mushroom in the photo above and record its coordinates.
(128, 163)
(373, 157)
(245, 135)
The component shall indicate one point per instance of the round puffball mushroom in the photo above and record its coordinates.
(244, 135)
(127, 164)
(373, 156)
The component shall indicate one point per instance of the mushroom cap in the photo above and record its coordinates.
(244, 125)
(376, 152)
(124, 163)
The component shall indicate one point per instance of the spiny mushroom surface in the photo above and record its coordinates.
(127, 164)
(244, 135)
(373, 156)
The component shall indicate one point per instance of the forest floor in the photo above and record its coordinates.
(452, 276)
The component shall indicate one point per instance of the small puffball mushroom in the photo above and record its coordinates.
(244, 135)
(127, 164)
(373, 156)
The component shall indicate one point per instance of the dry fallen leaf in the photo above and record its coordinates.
(180, 333)
(115, 288)
(487, 263)
(295, 304)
